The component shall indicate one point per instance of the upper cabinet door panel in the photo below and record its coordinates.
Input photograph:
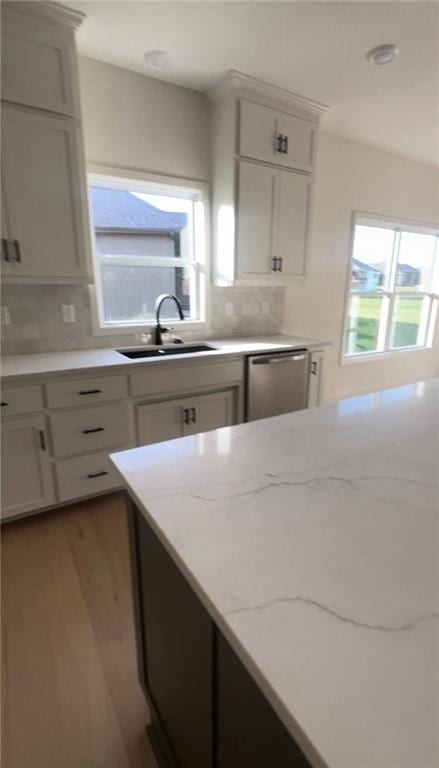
(36, 66)
(292, 226)
(298, 141)
(257, 132)
(43, 194)
(256, 199)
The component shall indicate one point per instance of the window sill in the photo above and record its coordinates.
(388, 355)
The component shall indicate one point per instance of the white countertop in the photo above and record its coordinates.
(94, 359)
(312, 539)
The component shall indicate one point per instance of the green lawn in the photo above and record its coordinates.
(365, 330)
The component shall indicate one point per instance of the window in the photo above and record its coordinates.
(148, 239)
(393, 288)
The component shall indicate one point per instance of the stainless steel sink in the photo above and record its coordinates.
(178, 349)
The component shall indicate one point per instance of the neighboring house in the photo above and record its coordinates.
(127, 229)
(365, 277)
(407, 275)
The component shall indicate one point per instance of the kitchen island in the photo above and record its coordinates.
(286, 579)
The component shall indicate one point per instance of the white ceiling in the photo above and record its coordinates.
(316, 49)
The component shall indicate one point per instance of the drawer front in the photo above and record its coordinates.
(18, 400)
(160, 380)
(91, 429)
(85, 476)
(62, 394)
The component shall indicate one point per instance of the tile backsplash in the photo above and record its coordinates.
(36, 322)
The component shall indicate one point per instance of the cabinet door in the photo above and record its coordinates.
(299, 145)
(208, 412)
(37, 65)
(255, 218)
(257, 132)
(160, 421)
(292, 221)
(43, 194)
(7, 259)
(26, 471)
(175, 645)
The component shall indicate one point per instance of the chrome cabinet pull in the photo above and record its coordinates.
(42, 437)
(90, 392)
(92, 475)
(17, 251)
(95, 429)
(279, 139)
(280, 262)
(285, 145)
(314, 368)
(194, 415)
(186, 416)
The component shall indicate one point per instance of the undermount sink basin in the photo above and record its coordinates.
(178, 349)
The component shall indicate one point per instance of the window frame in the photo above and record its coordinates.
(123, 177)
(389, 293)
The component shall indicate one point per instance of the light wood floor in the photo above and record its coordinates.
(70, 693)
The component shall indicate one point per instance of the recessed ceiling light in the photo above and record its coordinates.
(157, 59)
(383, 54)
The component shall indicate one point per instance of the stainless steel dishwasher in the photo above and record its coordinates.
(276, 383)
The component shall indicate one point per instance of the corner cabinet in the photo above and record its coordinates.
(264, 150)
(26, 467)
(45, 228)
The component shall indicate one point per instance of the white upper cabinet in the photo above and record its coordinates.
(46, 234)
(256, 200)
(293, 200)
(264, 142)
(276, 137)
(36, 64)
(273, 219)
(45, 225)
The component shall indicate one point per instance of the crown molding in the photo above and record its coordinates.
(238, 81)
(51, 11)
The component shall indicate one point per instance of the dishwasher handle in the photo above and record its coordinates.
(277, 359)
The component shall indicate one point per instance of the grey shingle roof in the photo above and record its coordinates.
(119, 209)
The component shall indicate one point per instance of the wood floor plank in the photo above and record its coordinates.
(69, 684)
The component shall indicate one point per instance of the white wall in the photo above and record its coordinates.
(352, 176)
(135, 121)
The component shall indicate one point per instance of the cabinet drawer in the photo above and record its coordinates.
(90, 429)
(86, 475)
(160, 379)
(62, 394)
(18, 400)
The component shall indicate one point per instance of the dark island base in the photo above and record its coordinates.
(206, 710)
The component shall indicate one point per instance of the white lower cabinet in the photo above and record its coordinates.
(85, 476)
(27, 481)
(175, 418)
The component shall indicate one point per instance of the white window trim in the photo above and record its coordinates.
(110, 175)
(407, 225)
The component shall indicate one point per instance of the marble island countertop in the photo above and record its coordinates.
(313, 541)
(89, 360)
